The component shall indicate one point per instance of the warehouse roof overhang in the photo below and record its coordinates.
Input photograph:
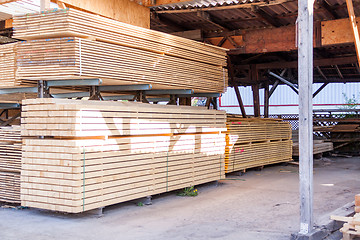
(261, 36)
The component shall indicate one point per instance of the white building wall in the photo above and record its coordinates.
(285, 101)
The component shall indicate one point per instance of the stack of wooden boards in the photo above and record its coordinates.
(96, 153)
(351, 227)
(119, 53)
(319, 146)
(10, 164)
(253, 142)
(7, 65)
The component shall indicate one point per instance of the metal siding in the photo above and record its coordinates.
(285, 99)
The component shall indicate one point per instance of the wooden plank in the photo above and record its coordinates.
(354, 26)
(123, 10)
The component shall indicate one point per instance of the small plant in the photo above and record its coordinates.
(350, 103)
(140, 204)
(188, 192)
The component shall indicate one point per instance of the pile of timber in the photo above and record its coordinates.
(254, 142)
(319, 146)
(7, 65)
(10, 164)
(84, 45)
(351, 227)
(96, 153)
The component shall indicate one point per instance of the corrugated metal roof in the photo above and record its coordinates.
(202, 4)
(20, 7)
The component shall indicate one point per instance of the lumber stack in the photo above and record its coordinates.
(8, 65)
(253, 142)
(357, 203)
(96, 154)
(10, 164)
(319, 145)
(84, 45)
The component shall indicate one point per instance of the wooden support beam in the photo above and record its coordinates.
(354, 27)
(186, 101)
(327, 9)
(305, 79)
(208, 18)
(256, 100)
(319, 89)
(265, 16)
(266, 100)
(338, 72)
(321, 72)
(44, 5)
(273, 88)
(190, 34)
(240, 101)
(254, 76)
(169, 23)
(232, 82)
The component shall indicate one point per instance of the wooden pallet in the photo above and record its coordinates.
(76, 173)
(256, 142)
(10, 164)
(351, 227)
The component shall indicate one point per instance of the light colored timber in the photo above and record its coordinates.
(75, 174)
(253, 142)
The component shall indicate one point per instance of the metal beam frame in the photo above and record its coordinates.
(290, 84)
(9, 105)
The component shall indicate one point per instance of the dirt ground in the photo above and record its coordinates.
(258, 205)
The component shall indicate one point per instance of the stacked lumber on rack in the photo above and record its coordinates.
(10, 164)
(7, 65)
(96, 154)
(119, 53)
(319, 146)
(254, 142)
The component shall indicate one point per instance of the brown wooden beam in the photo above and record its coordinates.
(240, 101)
(266, 100)
(354, 26)
(256, 100)
(208, 18)
(265, 16)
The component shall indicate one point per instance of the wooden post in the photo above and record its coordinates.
(305, 78)
(241, 104)
(266, 100)
(355, 29)
(256, 100)
(44, 5)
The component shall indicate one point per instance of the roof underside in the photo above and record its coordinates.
(236, 16)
